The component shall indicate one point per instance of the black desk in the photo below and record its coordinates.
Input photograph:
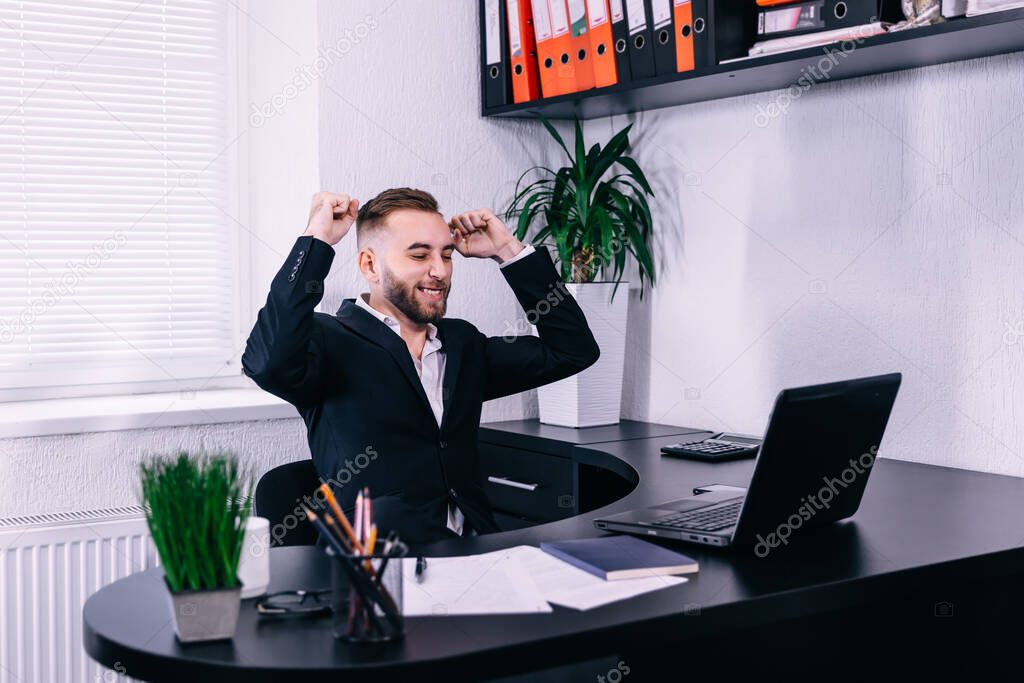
(862, 590)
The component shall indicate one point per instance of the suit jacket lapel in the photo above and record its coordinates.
(451, 344)
(364, 324)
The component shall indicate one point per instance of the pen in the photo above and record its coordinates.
(371, 579)
(371, 544)
(353, 602)
(368, 513)
(332, 540)
(392, 538)
(421, 566)
(358, 517)
(331, 525)
(332, 502)
(370, 592)
(374, 577)
(329, 521)
(362, 583)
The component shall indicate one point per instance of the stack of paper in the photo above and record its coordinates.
(491, 583)
(985, 6)
(852, 33)
(522, 579)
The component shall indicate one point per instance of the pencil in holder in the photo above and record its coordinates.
(367, 594)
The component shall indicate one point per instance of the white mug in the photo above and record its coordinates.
(254, 562)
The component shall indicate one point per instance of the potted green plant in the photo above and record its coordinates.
(594, 212)
(196, 509)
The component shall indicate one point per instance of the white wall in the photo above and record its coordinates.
(874, 226)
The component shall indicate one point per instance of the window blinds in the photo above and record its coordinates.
(117, 250)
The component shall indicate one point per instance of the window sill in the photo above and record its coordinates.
(139, 411)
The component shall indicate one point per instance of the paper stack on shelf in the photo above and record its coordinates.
(985, 6)
(776, 45)
(954, 8)
(784, 25)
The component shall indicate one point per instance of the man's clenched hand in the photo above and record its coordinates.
(331, 216)
(481, 234)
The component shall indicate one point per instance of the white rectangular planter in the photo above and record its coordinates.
(592, 397)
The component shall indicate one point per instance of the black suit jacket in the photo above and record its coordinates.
(368, 419)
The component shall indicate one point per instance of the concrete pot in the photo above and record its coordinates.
(205, 615)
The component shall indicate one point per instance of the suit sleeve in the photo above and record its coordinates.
(284, 353)
(565, 345)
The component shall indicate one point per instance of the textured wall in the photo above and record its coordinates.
(874, 226)
(99, 469)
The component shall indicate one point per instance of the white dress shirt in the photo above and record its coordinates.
(430, 368)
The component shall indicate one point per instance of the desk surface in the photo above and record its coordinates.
(919, 526)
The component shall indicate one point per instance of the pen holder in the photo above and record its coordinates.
(367, 607)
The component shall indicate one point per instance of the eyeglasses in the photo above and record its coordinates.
(295, 603)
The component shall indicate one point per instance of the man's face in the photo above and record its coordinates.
(416, 268)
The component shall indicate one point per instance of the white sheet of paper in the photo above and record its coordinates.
(490, 583)
(518, 580)
(563, 584)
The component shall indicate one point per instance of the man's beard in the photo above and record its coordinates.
(402, 296)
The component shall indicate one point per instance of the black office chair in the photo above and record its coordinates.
(277, 497)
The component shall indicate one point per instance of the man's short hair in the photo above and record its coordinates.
(372, 213)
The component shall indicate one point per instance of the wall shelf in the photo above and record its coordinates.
(954, 40)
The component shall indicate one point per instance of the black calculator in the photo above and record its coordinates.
(716, 448)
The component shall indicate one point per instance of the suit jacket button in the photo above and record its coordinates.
(443, 444)
(291, 277)
(301, 253)
(452, 491)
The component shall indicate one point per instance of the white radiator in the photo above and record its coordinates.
(49, 565)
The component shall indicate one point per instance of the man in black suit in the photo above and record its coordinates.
(390, 389)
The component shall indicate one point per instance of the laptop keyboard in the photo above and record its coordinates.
(705, 519)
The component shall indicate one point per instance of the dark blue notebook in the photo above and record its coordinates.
(620, 557)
